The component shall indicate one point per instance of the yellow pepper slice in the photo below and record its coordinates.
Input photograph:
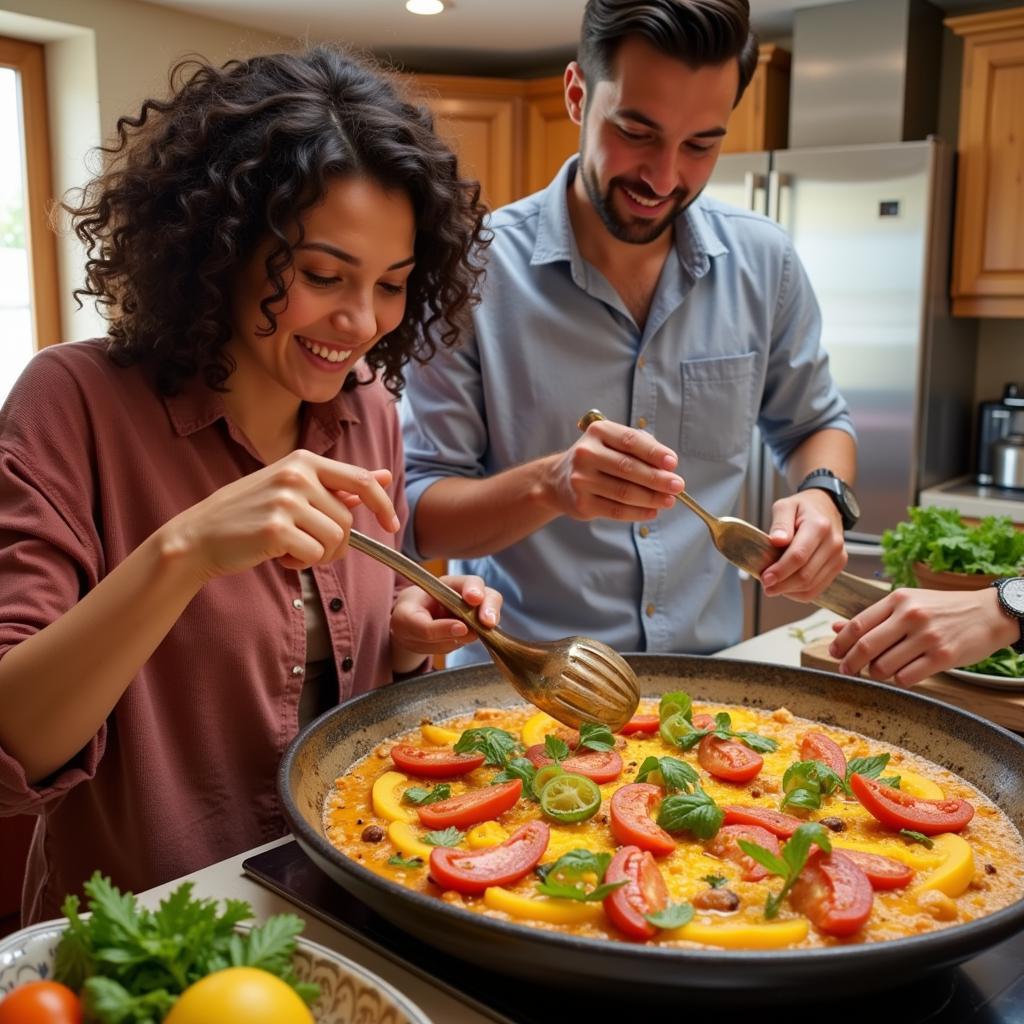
(439, 735)
(536, 727)
(739, 935)
(917, 857)
(954, 874)
(490, 833)
(918, 785)
(554, 911)
(387, 799)
(404, 836)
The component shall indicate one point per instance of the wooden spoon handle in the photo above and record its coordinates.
(849, 595)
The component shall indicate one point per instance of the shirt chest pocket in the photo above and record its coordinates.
(718, 408)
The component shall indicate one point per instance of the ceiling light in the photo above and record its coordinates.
(424, 6)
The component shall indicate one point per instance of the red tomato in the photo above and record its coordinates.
(779, 824)
(598, 765)
(471, 807)
(472, 871)
(631, 822)
(433, 764)
(41, 1002)
(816, 746)
(883, 872)
(833, 892)
(733, 762)
(641, 723)
(725, 845)
(703, 722)
(644, 892)
(897, 810)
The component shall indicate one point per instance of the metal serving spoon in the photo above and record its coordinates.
(751, 549)
(574, 680)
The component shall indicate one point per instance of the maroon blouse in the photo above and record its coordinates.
(182, 774)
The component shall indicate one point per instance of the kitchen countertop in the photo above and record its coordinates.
(975, 501)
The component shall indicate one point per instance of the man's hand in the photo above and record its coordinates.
(613, 472)
(809, 527)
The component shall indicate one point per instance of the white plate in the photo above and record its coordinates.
(994, 682)
(348, 991)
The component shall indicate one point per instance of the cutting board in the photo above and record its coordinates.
(1004, 707)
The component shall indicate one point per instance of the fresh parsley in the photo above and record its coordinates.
(678, 729)
(518, 768)
(448, 837)
(131, 963)
(577, 875)
(790, 861)
(419, 796)
(694, 812)
(398, 861)
(555, 748)
(917, 837)
(675, 775)
(675, 915)
(596, 737)
(804, 783)
(496, 745)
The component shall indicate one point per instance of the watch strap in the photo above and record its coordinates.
(825, 480)
(1015, 613)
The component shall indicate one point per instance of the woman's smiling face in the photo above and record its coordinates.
(346, 290)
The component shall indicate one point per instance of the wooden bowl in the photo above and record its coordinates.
(932, 580)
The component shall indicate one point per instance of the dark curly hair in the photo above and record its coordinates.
(697, 32)
(234, 157)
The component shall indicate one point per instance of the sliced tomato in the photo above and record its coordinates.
(883, 872)
(641, 723)
(645, 892)
(471, 807)
(703, 721)
(896, 809)
(725, 845)
(725, 759)
(433, 764)
(833, 892)
(779, 824)
(629, 813)
(598, 765)
(816, 746)
(472, 871)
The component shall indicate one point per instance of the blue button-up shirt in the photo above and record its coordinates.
(732, 339)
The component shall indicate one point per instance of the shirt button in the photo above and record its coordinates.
(644, 531)
(346, 664)
(650, 610)
(336, 604)
(297, 670)
(641, 422)
(297, 603)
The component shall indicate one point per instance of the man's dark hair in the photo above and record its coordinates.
(236, 155)
(696, 32)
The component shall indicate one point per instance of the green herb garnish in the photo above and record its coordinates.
(555, 748)
(715, 881)
(518, 768)
(679, 730)
(917, 837)
(398, 861)
(675, 915)
(567, 878)
(447, 837)
(496, 745)
(790, 862)
(596, 737)
(675, 775)
(694, 812)
(804, 783)
(419, 796)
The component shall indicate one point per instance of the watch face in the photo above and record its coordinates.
(851, 500)
(1012, 592)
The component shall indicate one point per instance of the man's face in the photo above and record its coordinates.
(650, 136)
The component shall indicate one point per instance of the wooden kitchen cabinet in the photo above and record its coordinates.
(988, 253)
(761, 120)
(551, 136)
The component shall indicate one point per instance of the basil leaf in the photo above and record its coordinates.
(869, 767)
(399, 861)
(678, 703)
(804, 783)
(675, 915)
(691, 812)
(576, 864)
(556, 749)
(892, 781)
(419, 796)
(577, 891)
(567, 878)
(677, 730)
(518, 768)
(756, 742)
(791, 863)
(496, 745)
(670, 772)
(775, 864)
(808, 799)
(917, 837)
(449, 837)
(596, 737)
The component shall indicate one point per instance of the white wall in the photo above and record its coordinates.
(103, 58)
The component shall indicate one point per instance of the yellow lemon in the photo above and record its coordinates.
(239, 994)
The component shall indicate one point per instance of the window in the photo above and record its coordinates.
(29, 304)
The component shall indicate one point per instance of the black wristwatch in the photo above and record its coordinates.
(1011, 599)
(838, 490)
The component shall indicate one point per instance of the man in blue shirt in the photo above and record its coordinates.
(684, 320)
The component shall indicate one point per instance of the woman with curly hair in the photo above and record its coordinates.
(270, 245)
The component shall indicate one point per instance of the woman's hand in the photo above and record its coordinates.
(419, 625)
(912, 634)
(297, 510)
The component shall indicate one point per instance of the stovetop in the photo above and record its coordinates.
(988, 989)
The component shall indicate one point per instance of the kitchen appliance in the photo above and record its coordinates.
(1008, 462)
(986, 755)
(996, 420)
(871, 224)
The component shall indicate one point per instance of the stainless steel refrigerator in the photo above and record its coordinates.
(872, 226)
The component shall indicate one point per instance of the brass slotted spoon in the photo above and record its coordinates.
(574, 680)
(751, 549)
